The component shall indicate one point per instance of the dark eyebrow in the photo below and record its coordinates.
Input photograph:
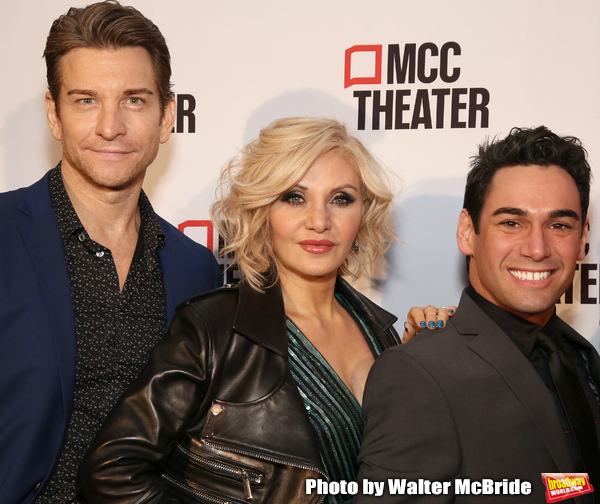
(556, 214)
(138, 91)
(566, 212)
(128, 92)
(511, 211)
(87, 92)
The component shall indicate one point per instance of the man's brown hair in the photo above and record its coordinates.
(107, 25)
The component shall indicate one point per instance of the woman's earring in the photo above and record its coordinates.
(356, 247)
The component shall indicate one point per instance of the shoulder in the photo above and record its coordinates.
(446, 351)
(468, 322)
(364, 304)
(572, 335)
(178, 240)
(380, 320)
(37, 195)
(428, 349)
(581, 343)
(23, 207)
(182, 253)
(9, 203)
(257, 315)
(221, 302)
(226, 292)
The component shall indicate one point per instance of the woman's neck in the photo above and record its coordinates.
(309, 297)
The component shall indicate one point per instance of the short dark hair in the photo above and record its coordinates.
(107, 25)
(522, 146)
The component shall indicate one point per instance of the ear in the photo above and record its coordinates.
(52, 117)
(583, 240)
(168, 120)
(465, 233)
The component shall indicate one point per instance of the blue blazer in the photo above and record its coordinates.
(37, 332)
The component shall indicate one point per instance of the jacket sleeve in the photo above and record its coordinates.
(123, 462)
(409, 432)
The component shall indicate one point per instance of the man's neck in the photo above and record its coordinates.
(489, 306)
(110, 217)
(107, 215)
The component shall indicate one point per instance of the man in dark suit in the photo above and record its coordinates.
(507, 391)
(89, 274)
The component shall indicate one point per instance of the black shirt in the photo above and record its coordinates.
(115, 330)
(524, 335)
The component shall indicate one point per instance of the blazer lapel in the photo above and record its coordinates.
(494, 346)
(39, 229)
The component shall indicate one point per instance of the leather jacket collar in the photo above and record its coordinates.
(261, 316)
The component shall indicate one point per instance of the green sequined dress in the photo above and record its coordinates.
(333, 411)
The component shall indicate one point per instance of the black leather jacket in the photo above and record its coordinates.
(216, 415)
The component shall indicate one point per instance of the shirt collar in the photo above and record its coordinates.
(69, 223)
(523, 333)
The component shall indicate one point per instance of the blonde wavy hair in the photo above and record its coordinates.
(271, 165)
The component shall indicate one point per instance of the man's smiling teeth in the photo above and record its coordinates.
(528, 275)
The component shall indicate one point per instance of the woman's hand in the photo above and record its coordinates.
(429, 317)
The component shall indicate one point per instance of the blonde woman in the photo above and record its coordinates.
(258, 387)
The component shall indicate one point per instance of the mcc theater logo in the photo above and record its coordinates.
(395, 97)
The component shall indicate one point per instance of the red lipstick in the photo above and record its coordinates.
(317, 246)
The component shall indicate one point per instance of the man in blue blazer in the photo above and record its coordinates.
(478, 411)
(89, 274)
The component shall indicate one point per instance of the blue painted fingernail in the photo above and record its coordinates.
(440, 324)
(431, 324)
(405, 328)
(450, 310)
(423, 325)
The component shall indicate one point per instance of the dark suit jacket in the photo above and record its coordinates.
(463, 402)
(37, 334)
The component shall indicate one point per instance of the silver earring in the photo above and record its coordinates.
(356, 247)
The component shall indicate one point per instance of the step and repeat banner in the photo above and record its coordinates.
(421, 83)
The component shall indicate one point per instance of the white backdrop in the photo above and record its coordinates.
(245, 63)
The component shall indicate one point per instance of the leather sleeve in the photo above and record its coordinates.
(409, 431)
(123, 463)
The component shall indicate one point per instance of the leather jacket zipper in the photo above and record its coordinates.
(206, 497)
(246, 476)
(268, 459)
(246, 483)
(240, 473)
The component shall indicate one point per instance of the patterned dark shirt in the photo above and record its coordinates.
(115, 329)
